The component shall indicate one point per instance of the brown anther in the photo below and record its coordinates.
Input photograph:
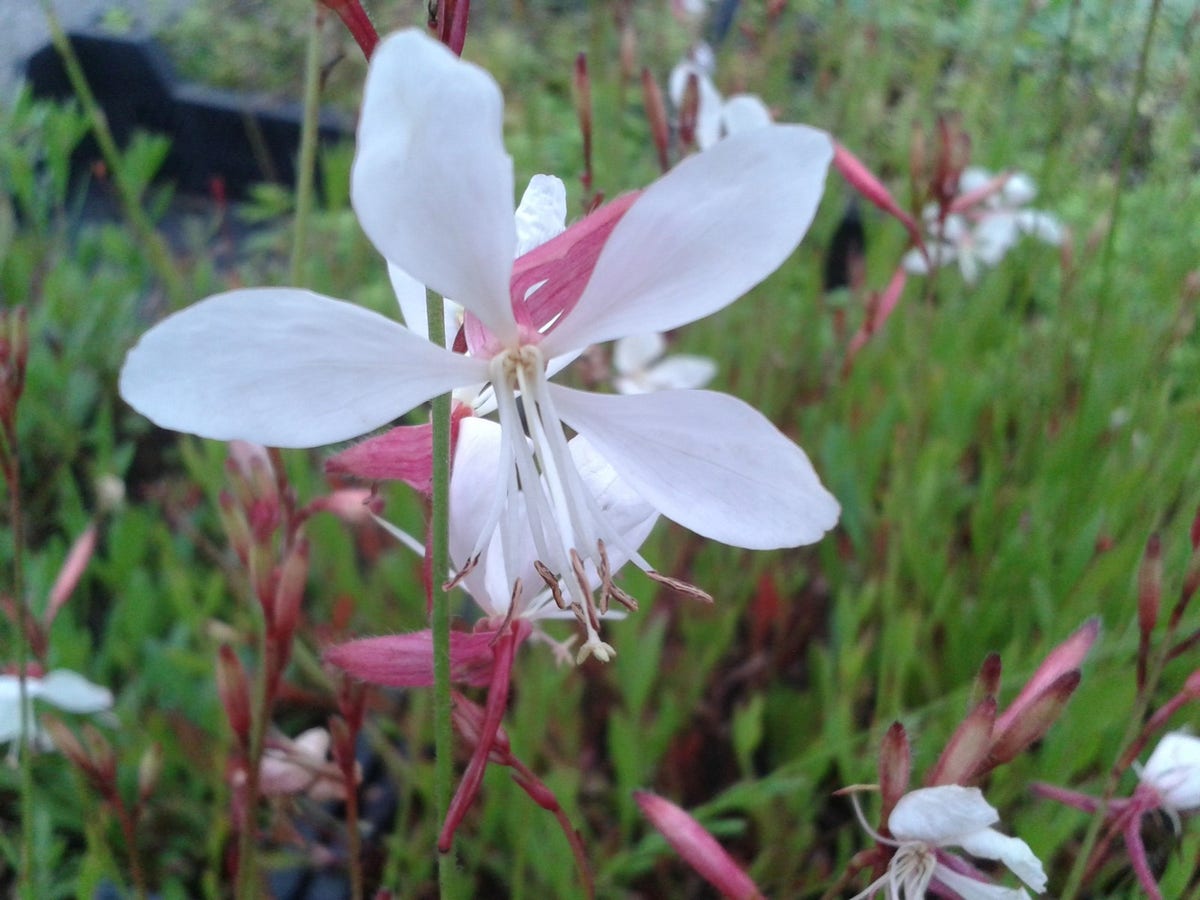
(513, 600)
(551, 582)
(462, 573)
(676, 584)
(621, 597)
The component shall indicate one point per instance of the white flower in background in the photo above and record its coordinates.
(641, 367)
(1173, 770)
(716, 117)
(984, 221)
(433, 186)
(301, 766)
(926, 821)
(60, 688)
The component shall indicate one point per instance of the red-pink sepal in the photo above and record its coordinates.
(968, 748)
(503, 648)
(966, 201)
(878, 312)
(404, 453)
(406, 660)
(895, 768)
(1067, 657)
(70, 573)
(356, 20)
(864, 181)
(698, 848)
(452, 24)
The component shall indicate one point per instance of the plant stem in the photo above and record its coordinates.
(306, 165)
(148, 237)
(439, 549)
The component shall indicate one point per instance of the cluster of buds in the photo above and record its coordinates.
(1169, 782)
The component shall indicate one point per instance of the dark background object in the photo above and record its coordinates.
(234, 138)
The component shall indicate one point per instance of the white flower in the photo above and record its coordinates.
(62, 688)
(986, 218)
(716, 117)
(641, 368)
(1173, 770)
(433, 189)
(927, 820)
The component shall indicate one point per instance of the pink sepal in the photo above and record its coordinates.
(864, 181)
(1066, 657)
(698, 848)
(404, 453)
(878, 313)
(70, 573)
(406, 660)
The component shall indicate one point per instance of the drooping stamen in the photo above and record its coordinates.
(683, 587)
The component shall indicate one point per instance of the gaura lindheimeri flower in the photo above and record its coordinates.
(301, 766)
(433, 187)
(926, 821)
(1169, 782)
(67, 690)
(982, 223)
(642, 368)
(716, 116)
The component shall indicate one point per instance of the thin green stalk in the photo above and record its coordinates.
(1108, 254)
(439, 549)
(249, 885)
(306, 165)
(151, 241)
(9, 453)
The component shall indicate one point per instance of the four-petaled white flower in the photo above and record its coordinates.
(67, 690)
(926, 821)
(985, 220)
(641, 367)
(716, 116)
(433, 187)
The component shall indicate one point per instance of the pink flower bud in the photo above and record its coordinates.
(698, 848)
(289, 592)
(70, 573)
(234, 690)
(1066, 657)
(656, 113)
(895, 767)
(583, 109)
(968, 747)
(864, 181)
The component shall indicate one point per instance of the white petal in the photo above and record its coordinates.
(1043, 226)
(410, 294)
(631, 517)
(972, 889)
(1173, 770)
(742, 112)
(431, 182)
(988, 843)
(633, 353)
(72, 692)
(707, 461)
(681, 372)
(284, 368)
(542, 212)
(941, 815)
(10, 704)
(994, 236)
(708, 108)
(972, 179)
(702, 235)
(1018, 190)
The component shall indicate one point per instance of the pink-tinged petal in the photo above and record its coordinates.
(432, 183)
(1066, 657)
(563, 266)
(285, 368)
(941, 816)
(698, 848)
(987, 843)
(707, 461)
(406, 660)
(702, 235)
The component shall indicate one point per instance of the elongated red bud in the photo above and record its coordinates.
(656, 113)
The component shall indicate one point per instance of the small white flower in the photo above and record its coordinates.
(1173, 770)
(926, 821)
(62, 688)
(641, 367)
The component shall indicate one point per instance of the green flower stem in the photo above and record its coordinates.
(308, 146)
(439, 549)
(151, 241)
